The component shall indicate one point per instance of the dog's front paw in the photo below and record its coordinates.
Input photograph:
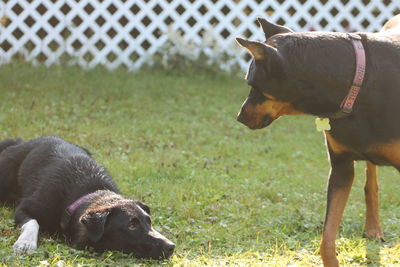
(374, 234)
(24, 247)
(27, 241)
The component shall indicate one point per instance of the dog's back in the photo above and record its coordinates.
(22, 161)
(392, 26)
(51, 161)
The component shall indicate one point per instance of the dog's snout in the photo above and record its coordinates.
(168, 248)
(162, 248)
(241, 118)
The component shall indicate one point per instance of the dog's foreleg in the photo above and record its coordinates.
(27, 241)
(372, 225)
(340, 181)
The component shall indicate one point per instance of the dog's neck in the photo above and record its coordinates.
(77, 203)
(320, 85)
(346, 107)
(72, 209)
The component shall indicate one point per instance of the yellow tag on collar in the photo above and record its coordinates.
(322, 124)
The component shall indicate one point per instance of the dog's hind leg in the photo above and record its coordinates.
(372, 225)
(9, 164)
(9, 142)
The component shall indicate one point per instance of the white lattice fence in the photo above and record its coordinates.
(126, 32)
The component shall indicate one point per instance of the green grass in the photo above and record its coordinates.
(224, 194)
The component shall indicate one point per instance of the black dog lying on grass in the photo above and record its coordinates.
(60, 188)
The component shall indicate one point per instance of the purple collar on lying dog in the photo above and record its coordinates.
(77, 203)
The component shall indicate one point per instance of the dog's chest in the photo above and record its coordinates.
(389, 151)
(380, 154)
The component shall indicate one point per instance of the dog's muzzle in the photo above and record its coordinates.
(168, 249)
(241, 118)
(266, 120)
(163, 248)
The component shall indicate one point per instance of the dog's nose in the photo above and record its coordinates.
(168, 249)
(240, 118)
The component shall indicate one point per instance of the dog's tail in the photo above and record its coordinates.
(9, 142)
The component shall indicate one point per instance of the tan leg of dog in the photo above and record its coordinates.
(340, 182)
(372, 224)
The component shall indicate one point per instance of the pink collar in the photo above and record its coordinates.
(347, 104)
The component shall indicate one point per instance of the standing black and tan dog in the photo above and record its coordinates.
(311, 73)
(60, 188)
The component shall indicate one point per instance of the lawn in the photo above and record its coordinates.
(226, 195)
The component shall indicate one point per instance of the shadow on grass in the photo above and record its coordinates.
(373, 248)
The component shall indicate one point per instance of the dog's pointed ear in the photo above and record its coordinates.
(271, 29)
(94, 223)
(260, 51)
(143, 206)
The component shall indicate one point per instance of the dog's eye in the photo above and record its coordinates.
(133, 224)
